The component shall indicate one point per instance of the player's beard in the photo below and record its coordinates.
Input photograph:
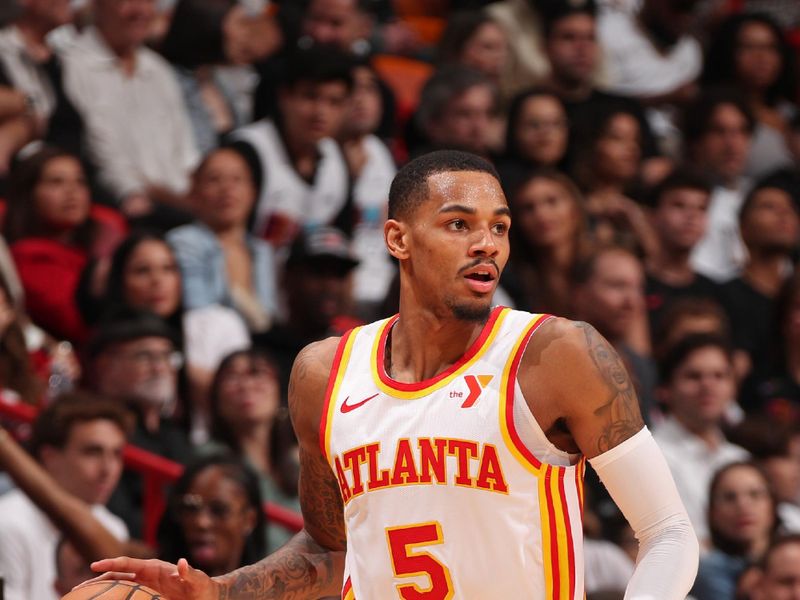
(470, 313)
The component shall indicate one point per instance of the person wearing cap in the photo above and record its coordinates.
(133, 359)
(318, 290)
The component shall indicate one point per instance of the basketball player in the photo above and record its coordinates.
(443, 449)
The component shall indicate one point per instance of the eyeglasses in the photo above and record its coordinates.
(172, 358)
(236, 377)
(190, 506)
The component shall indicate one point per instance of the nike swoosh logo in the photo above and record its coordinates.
(346, 408)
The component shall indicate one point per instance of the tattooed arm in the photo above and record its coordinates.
(579, 392)
(592, 405)
(311, 564)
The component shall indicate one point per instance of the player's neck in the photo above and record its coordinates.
(421, 345)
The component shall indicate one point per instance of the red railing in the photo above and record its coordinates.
(157, 472)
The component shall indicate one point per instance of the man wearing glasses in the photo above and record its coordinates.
(134, 359)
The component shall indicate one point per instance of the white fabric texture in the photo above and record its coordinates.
(693, 464)
(137, 128)
(639, 481)
(28, 541)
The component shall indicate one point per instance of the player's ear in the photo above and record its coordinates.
(396, 235)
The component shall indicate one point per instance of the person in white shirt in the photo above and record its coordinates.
(718, 130)
(138, 132)
(78, 440)
(697, 388)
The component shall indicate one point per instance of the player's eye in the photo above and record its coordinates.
(500, 228)
(457, 225)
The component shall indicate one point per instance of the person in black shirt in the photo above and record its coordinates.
(770, 224)
(679, 210)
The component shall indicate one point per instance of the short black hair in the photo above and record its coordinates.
(678, 354)
(681, 178)
(785, 180)
(697, 115)
(410, 186)
(320, 63)
(552, 11)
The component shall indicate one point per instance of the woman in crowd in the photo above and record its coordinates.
(750, 52)
(472, 38)
(743, 519)
(52, 234)
(144, 274)
(214, 517)
(537, 135)
(220, 261)
(607, 166)
(247, 417)
(549, 237)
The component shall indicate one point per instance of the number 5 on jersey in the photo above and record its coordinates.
(408, 562)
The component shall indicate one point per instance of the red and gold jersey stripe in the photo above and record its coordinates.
(509, 431)
(409, 391)
(340, 361)
(347, 590)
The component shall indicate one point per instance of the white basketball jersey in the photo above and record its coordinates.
(450, 487)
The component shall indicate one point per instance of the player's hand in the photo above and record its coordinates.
(176, 582)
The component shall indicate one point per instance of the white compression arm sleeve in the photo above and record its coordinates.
(638, 479)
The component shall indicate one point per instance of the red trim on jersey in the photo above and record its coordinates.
(568, 528)
(421, 385)
(512, 380)
(337, 359)
(551, 517)
(348, 589)
(579, 473)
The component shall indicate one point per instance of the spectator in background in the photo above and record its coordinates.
(770, 227)
(742, 520)
(317, 283)
(717, 131)
(697, 387)
(195, 45)
(574, 54)
(749, 51)
(144, 275)
(650, 55)
(19, 380)
(537, 134)
(248, 419)
(372, 169)
(78, 440)
(474, 39)
(214, 517)
(220, 261)
(138, 131)
(548, 240)
(133, 359)
(457, 109)
(608, 292)
(300, 172)
(607, 166)
(346, 24)
(777, 393)
(527, 64)
(32, 101)
(780, 571)
(52, 234)
(679, 214)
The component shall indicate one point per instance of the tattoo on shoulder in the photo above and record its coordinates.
(620, 412)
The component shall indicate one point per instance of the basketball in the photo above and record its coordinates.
(113, 589)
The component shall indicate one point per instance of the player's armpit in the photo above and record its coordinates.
(586, 385)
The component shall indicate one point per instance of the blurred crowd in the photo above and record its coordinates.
(193, 190)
